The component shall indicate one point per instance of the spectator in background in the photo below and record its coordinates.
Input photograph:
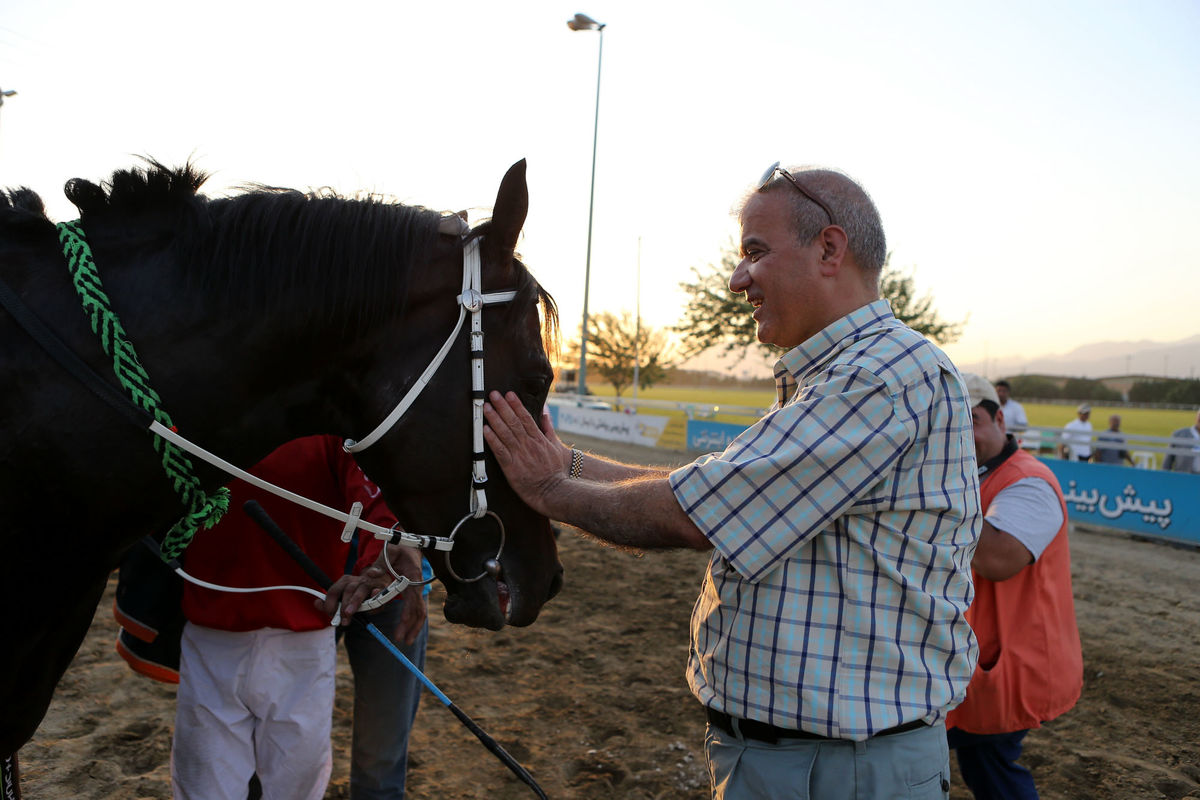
(1077, 436)
(1030, 661)
(1110, 445)
(1014, 412)
(1183, 454)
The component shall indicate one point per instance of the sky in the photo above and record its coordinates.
(1036, 164)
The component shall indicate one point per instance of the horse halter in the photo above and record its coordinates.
(471, 300)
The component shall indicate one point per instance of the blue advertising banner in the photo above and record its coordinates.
(1165, 505)
(711, 437)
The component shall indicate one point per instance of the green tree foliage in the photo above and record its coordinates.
(897, 285)
(1088, 389)
(1179, 392)
(1185, 393)
(611, 350)
(716, 318)
(1034, 387)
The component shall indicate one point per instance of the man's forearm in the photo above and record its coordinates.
(640, 513)
(603, 470)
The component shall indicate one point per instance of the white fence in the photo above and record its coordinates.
(1146, 451)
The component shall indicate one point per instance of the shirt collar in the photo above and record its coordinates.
(816, 350)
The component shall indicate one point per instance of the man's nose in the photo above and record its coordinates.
(740, 279)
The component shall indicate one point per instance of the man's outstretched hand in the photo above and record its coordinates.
(534, 460)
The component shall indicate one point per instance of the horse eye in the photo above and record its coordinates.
(535, 387)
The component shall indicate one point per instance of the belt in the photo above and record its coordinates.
(762, 732)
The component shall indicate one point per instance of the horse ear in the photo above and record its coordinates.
(512, 204)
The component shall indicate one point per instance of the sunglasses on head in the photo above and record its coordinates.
(769, 175)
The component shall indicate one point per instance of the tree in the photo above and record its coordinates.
(1149, 391)
(1088, 389)
(715, 317)
(896, 284)
(1185, 392)
(1034, 386)
(1181, 392)
(611, 350)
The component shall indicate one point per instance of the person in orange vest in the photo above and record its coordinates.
(1030, 666)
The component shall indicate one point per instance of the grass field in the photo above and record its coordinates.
(1134, 421)
(1137, 421)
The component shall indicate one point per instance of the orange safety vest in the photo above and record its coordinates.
(1030, 662)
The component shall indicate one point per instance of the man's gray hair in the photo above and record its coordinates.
(853, 210)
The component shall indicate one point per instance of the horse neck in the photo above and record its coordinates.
(247, 378)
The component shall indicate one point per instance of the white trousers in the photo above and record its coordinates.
(256, 701)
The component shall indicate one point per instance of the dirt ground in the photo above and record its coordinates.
(592, 698)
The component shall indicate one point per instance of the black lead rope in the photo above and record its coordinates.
(265, 522)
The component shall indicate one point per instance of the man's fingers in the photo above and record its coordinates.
(500, 409)
(348, 592)
(523, 417)
(547, 426)
(507, 409)
(495, 444)
(496, 413)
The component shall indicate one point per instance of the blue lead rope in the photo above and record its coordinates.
(409, 665)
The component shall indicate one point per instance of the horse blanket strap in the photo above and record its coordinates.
(201, 509)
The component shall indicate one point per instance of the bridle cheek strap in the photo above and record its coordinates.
(472, 300)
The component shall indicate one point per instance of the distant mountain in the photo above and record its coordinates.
(1180, 359)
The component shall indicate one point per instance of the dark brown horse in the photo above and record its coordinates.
(259, 318)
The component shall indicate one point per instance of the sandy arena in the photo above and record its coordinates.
(592, 698)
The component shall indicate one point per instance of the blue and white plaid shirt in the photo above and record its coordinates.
(844, 523)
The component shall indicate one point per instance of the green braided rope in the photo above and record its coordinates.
(201, 509)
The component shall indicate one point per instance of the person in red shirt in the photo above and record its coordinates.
(1030, 667)
(256, 671)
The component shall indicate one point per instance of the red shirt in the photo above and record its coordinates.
(237, 552)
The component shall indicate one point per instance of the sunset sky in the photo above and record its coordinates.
(1036, 164)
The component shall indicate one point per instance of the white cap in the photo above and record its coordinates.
(979, 389)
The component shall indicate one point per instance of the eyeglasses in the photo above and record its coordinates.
(769, 175)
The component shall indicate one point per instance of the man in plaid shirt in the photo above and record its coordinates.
(828, 641)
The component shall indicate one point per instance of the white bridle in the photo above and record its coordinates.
(471, 300)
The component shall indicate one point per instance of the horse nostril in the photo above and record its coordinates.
(556, 584)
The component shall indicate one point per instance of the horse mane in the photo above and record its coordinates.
(330, 256)
(23, 216)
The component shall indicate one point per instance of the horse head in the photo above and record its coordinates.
(503, 565)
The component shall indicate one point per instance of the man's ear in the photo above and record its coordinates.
(835, 248)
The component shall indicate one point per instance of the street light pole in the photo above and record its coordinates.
(637, 335)
(6, 93)
(582, 22)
